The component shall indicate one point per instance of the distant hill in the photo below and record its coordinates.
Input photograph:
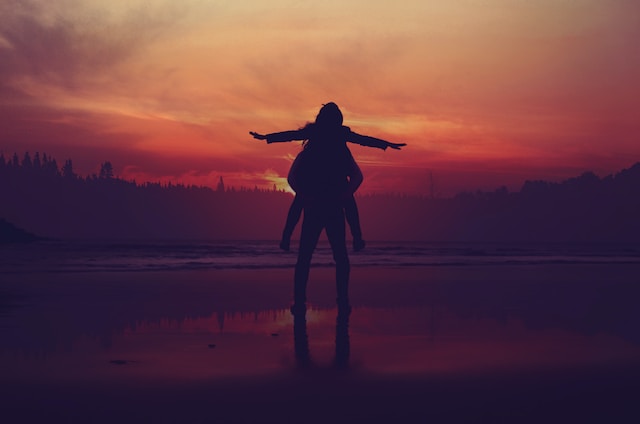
(586, 208)
(9, 233)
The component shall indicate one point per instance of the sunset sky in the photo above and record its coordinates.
(484, 92)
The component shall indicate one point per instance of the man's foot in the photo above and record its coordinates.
(298, 309)
(284, 245)
(344, 307)
(358, 244)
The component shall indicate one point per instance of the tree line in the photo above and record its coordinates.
(50, 201)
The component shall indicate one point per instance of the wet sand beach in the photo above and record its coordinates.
(522, 343)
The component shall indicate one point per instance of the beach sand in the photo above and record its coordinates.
(526, 343)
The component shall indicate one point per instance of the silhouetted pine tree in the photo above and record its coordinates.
(106, 171)
(26, 161)
(67, 170)
(36, 161)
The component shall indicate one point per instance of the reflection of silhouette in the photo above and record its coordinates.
(301, 339)
(325, 175)
(343, 347)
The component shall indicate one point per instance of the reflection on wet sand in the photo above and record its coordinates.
(394, 341)
(301, 340)
(431, 344)
(413, 364)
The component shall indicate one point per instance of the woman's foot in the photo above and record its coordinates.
(358, 244)
(285, 244)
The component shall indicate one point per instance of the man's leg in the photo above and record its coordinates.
(335, 228)
(311, 229)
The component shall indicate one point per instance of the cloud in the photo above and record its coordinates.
(67, 42)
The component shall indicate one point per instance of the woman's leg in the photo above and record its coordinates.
(295, 211)
(353, 218)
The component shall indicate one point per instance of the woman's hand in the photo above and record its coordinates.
(396, 146)
(258, 135)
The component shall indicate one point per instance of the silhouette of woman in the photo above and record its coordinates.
(327, 180)
(329, 115)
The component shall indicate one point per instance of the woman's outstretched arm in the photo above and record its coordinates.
(280, 136)
(365, 140)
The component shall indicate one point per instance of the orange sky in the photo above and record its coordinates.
(485, 92)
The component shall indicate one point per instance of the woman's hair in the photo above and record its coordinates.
(328, 120)
(329, 115)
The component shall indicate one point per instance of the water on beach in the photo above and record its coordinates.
(479, 325)
(82, 256)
